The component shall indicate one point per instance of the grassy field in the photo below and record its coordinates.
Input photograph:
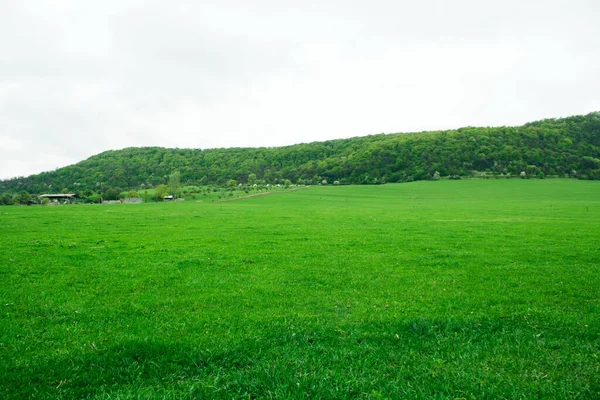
(449, 289)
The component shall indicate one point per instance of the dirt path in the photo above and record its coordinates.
(257, 195)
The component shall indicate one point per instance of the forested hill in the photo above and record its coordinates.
(552, 147)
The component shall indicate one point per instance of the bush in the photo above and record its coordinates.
(95, 198)
(7, 199)
(160, 192)
(111, 194)
(23, 197)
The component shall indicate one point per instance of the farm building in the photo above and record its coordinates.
(62, 198)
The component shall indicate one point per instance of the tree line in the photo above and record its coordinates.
(566, 147)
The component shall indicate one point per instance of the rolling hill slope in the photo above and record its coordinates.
(553, 147)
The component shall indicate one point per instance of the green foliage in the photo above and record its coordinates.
(133, 194)
(160, 192)
(174, 183)
(7, 199)
(556, 147)
(477, 289)
(23, 197)
(111, 194)
(95, 198)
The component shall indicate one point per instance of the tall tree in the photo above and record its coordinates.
(174, 183)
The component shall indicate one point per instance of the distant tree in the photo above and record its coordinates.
(251, 179)
(7, 199)
(287, 183)
(23, 197)
(145, 196)
(590, 163)
(231, 183)
(133, 194)
(160, 192)
(111, 194)
(174, 183)
(95, 198)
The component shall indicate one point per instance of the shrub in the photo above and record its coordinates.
(7, 199)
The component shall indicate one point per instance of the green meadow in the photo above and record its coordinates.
(475, 289)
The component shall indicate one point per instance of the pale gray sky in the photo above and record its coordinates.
(80, 77)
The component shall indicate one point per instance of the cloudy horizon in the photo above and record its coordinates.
(80, 78)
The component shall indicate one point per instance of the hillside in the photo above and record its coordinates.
(553, 147)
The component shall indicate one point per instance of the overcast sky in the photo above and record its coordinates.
(80, 77)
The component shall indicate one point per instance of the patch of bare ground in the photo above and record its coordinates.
(257, 195)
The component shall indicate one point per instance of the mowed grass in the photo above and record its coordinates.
(449, 289)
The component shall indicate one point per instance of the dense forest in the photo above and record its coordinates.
(567, 147)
